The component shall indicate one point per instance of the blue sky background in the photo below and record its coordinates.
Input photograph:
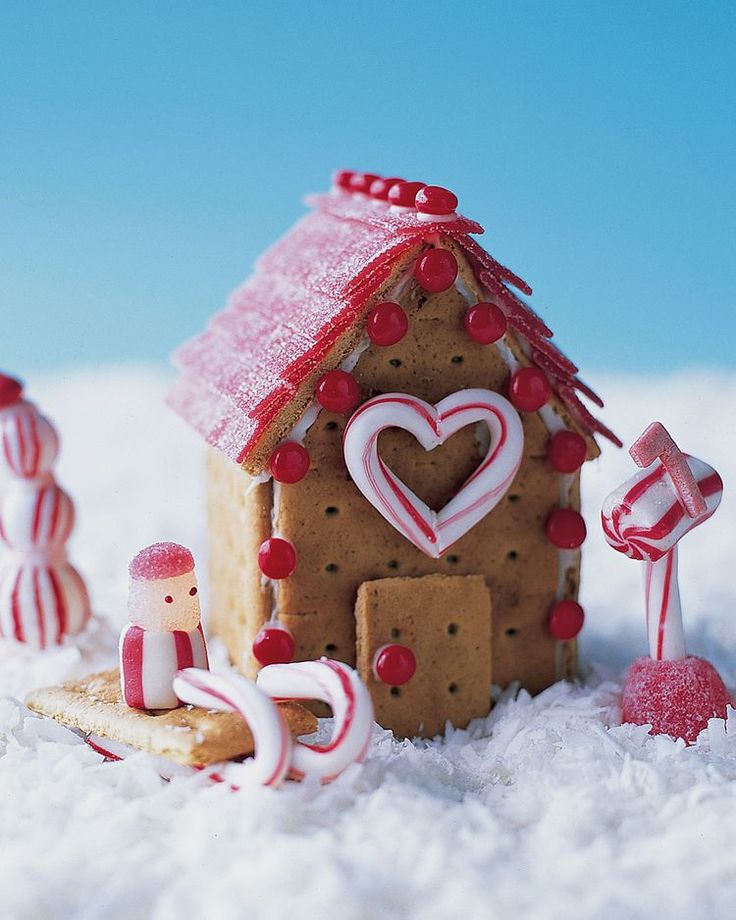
(149, 151)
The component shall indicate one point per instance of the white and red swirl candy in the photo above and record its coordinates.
(149, 660)
(29, 441)
(35, 515)
(41, 602)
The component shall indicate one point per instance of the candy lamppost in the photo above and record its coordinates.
(645, 518)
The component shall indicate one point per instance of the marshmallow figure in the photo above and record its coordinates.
(42, 596)
(164, 634)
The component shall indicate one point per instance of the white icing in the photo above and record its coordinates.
(436, 218)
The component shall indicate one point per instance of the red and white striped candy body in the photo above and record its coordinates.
(41, 601)
(35, 514)
(644, 517)
(28, 440)
(149, 660)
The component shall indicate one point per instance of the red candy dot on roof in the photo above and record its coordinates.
(565, 528)
(386, 324)
(485, 323)
(529, 389)
(394, 665)
(289, 462)
(342, 179)
(11, 390)
(433, 199)
(381, 187)
(273, 645)
(161, 560)
(403, 194)
(337, 391)
(277, 558)
(361, 182)
(566, 451)
(565, 620)
(436, 270)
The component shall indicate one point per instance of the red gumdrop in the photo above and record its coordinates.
(565, 528)
(403, 194)
(289, 462)
(394, 665)
(485, 323)
(565, 620)
(361, 182)
(675, 697)
(337, 391)
(529, 389)
(277, 558)
(386, 324)
(433, 199)
(342, 179)
(566, 451)
(381, 187)
(436, 270)
(273, 645)
(11, 391)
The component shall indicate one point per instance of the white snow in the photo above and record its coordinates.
(547, 809)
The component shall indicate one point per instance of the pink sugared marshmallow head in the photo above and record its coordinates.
(163, 594)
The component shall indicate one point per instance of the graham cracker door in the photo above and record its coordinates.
(446, 621)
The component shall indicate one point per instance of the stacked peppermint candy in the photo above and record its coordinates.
(42, 596)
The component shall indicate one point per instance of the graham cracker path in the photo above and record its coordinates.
(187, 735)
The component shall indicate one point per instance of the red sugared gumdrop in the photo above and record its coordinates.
(566, 451)
(11, 391)
(565, 620)
(289, 462)
(436, 270)
(337, 391)
(529, 389)
(675, 697)
(387, 324)
(485, 323)
(274, 644)
(565, 528)
(394, 665)
(433, 199)
(277, 558)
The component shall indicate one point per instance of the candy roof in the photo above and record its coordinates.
(309, 289)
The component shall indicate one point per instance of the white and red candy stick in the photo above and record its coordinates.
(149, 660)
(273, 745)
(647, 516)
(341, 688)
(29, 441)
(433, 532)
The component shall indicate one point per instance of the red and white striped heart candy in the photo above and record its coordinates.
(434, 532)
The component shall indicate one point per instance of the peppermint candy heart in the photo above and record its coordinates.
(434, 532)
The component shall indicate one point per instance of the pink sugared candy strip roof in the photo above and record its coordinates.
(307, 291)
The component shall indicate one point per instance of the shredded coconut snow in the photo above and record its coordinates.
(546, 809)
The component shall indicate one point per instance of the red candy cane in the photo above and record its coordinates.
(647, 516)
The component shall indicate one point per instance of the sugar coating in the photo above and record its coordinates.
(675, 697)
(161, 560)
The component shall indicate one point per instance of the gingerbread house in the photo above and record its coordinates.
(395, 455)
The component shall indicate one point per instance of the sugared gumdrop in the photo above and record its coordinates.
(675, 697)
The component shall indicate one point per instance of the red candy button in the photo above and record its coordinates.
(394, 665)
(361, 182)
(277, 558)
(433, 199)
(289, 462)
(343, 178)
(403, 194)
(381, 187)
(565, 529)
(337, 391)
(565, 620)
(485, 323)
(529, 389)
(11, 391)
(387, 323)
(273, 645)
(566, 451)
(436, 270)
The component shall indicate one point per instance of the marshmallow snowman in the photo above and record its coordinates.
(164, 633)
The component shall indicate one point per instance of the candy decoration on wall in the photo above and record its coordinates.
(645, 519)
(341, 688)
(273, 644)
(394, 664)
(42, 596)
(164, 633)
(434, 532)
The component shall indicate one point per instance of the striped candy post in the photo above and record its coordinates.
(28, 440)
